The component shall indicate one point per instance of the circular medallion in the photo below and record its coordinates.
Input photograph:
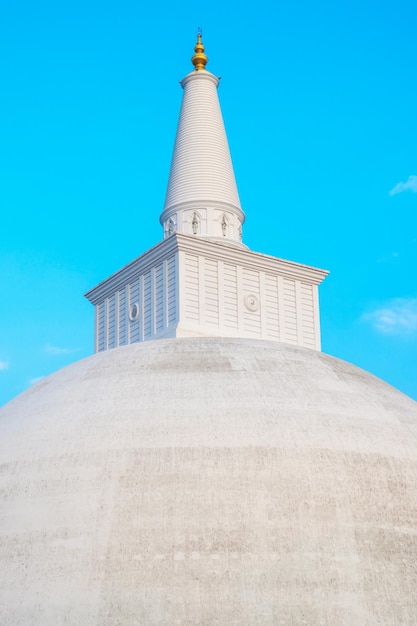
(134, 312)
(251, 302)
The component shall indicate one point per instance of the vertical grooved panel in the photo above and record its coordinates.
(171, 291)
(211, 292)
(147, 306)
(159, 298)
(307, 308)
(290, 311)
(101, 326)
(230, 296)
(192, 308)
(112, 321)
(271, 307)
(122, 317)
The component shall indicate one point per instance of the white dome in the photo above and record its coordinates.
(209, 481)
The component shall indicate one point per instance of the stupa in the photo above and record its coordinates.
(209, 464)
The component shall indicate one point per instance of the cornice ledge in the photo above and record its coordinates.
(252, 260)
(132, 270)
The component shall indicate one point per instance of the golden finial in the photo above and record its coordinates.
(199, 59)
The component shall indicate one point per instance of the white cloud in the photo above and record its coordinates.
(396, 317)
(56, 350)
(409, 185)
(4, 365)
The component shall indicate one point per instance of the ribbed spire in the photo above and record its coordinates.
(202, 197)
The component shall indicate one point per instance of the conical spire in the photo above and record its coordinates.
(202, 197)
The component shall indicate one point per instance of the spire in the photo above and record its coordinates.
(202, 197)
(199, 59)
(201, 281)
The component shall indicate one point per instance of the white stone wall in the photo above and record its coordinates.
(226, 298)
(187, 286)
(143, 308)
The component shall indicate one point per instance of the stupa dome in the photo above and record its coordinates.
(208, 465)
(209, 481)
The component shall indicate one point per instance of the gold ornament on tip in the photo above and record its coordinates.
(199, 59)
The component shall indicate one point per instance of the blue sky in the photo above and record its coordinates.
(319, 101)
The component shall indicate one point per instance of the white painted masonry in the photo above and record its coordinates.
(202, 197)
(209, 481)
(188, 287)
(201, 280)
